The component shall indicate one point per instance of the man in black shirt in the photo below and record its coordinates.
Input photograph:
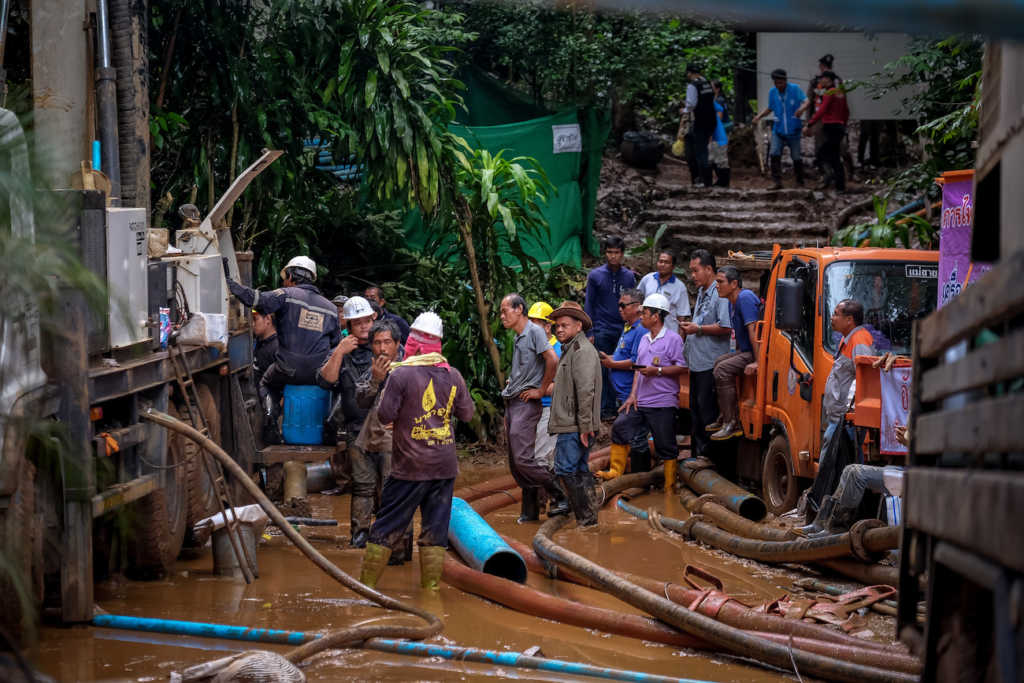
(266, 342)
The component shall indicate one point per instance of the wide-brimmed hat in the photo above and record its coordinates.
(573, 310)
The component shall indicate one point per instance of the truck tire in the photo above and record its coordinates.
(780, 486)
(202, 498)
(21, 547)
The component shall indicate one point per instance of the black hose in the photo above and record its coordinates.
(728, 638)
(342, 637)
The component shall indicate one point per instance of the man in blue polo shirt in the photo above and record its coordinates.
(664, 281)
(620, 369)
(745, 311)
(787, 102)
(604, 287)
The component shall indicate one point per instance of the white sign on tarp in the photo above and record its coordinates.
(895, 408)
(567, 138)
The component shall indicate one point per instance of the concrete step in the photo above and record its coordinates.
(712, 206)
(770, 230)
(721, 244)
(752, 218)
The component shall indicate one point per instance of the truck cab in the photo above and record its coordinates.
(781, 405)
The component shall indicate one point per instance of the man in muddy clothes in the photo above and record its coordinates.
(419, 400)
(533, 369)
(370, 455)
(575, 408)
(307, 329)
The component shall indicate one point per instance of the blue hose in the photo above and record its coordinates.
(480, 546)
(404, 647)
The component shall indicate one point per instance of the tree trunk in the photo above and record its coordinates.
(481, 306)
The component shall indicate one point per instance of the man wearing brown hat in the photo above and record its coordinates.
(575, 408)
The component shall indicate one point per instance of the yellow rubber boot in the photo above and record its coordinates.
(431, 566)
(617, 464)
(671, 468)
(374, 560)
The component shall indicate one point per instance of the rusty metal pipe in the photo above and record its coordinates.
(726, 637)
(737, 499)
(728, 520)
(868, 574)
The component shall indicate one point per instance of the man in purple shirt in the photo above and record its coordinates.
(652, 402)
(605, 285)
(419, 399)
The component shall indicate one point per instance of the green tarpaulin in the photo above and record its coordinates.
(567, 145)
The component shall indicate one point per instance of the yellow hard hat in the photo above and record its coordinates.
(540, 310)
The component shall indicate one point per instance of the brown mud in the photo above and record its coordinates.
(292, 594)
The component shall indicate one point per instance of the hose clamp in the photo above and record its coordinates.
(686, 531)
(857, 534)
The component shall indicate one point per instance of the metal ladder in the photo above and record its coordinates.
(187, 385)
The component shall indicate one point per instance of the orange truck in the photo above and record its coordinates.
(781, 405)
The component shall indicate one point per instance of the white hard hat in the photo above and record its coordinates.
(656, 300)
(303, 262)
(356, 307)
(428, 323)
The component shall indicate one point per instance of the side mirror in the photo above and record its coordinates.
(789, 296)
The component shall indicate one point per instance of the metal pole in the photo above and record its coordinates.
(106, 103)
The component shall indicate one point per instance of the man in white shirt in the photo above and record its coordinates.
(664, 282)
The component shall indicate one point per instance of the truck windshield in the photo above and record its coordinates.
(893, 296)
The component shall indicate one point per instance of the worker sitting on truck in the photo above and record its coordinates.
(847, 320)
(307, 329)
(419, 400)
(745, 311)
(652, 401)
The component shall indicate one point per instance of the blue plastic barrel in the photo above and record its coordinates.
(305, 409)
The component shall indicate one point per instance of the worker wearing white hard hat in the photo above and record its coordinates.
(652, 402)
(307, 329)
(347, 365)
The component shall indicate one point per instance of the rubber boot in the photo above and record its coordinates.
(640, 458)
(375, 558)
(617, 462)
(724, 176)
(706, 176)
(530, 511)
(360, 513)
(817, 526)
(671, 468)
(840, 520)
(579, 500)
(431, 566)
(271, 434)
(776, 166)
(798, 171)
(559, 504)
(403, 553)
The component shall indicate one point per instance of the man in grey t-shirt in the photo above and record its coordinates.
(533, 369)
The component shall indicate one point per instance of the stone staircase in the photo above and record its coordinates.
(745, 220)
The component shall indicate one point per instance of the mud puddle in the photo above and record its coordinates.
(292, 594)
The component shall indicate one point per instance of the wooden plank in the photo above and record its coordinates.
(272, 455)
(122, 494)
(971, 508)
(996, 362)
(995, 297)
(994, 425)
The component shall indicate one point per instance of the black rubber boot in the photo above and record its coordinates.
(361, 514)
(776, 166)
(840, 520)
(706, 176)
(817, 526)
(530, 511)
(798, 171)
(724, 175)
(559, 504)
(582, 508)
(640, 458)
(270, 433)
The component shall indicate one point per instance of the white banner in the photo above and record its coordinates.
(567, 138)
(895, 408)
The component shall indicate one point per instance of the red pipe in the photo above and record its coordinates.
(485, 488)
(535, 603)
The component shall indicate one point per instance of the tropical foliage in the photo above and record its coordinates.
(909, 232)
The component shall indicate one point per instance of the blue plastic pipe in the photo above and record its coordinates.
(198, 628)
(96, 155)
(403, 647)
(480, 546)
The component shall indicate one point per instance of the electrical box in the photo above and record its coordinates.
(202, 282)
(127, 276)
(194, 241)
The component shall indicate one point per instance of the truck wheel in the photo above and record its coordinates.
(202, 498)
(779, 484)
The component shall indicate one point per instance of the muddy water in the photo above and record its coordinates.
(292, 594)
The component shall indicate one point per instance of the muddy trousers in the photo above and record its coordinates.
(837, 451)
(661, 422)
(727, 369)
(400, 499)
(831, 154)
(369, 470)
